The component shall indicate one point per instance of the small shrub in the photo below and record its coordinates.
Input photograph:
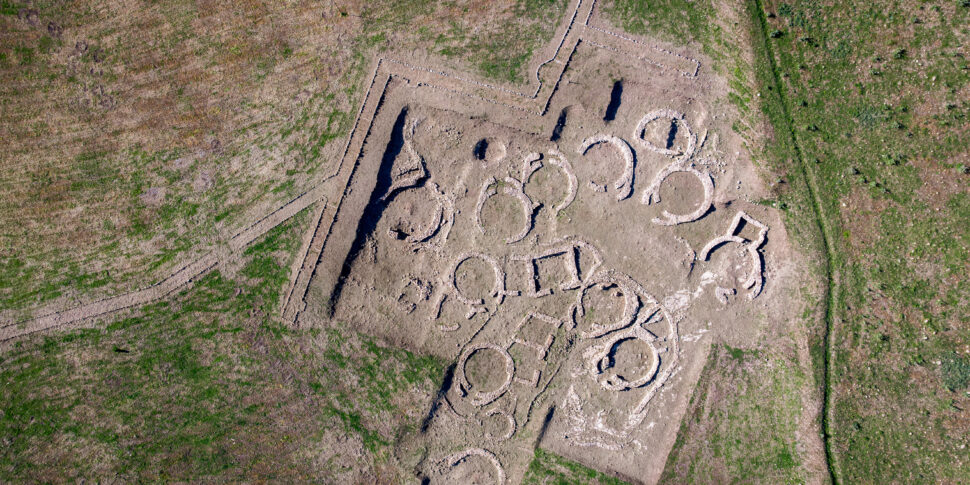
(45, 44)
(893, 159)
(26, 55)
(956, 372)
(899, 53)
(776, 34)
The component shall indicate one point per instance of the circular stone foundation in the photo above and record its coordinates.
(603, 307)
(665, 132)
(503, 217)
(413, 215)
(630, 362)
(503, 362)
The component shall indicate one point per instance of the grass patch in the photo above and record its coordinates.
(381, 375)
(208, 386)
(956, 372)
(549, 468)
(502, 53)
(740, 422)
(175, 391)
(680, 21)
(870, 92)
(9, 8)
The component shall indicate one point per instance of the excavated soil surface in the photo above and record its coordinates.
(574, 260)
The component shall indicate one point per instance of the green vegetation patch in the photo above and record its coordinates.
(680, 21)
(206, 387)
(209, 386)
(741, 421)
(502, 53)
(552, 469)
(176, 391)
(871, 95)
(363, 383)
(956, 372)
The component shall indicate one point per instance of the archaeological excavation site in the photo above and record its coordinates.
(461, 243)
(572, 248)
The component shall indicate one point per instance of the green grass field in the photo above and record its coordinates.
(874, 96)
(741, 421)
(208, 386)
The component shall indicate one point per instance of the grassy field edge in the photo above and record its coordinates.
(829, 268)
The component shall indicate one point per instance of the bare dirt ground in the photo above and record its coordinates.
(575, 252)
